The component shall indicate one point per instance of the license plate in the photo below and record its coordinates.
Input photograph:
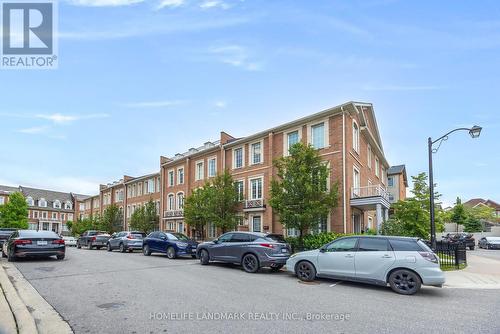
(284, 250)
(41, 243)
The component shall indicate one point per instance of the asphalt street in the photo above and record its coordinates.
(102, 292)
(488, 253)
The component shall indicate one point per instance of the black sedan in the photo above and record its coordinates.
(489, 242)
(29, 243)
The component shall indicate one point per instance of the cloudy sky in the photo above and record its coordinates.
(142, 78)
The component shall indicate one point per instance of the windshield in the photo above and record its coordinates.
(178, 236)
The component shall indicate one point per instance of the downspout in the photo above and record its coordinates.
(343, 171)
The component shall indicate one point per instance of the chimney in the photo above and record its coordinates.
(225, 138)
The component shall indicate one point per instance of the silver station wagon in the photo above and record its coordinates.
(403, 263)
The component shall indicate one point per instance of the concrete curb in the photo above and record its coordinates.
(24, 321)
(32, 313)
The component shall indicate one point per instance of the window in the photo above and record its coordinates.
(240, 220)
(256, 224)
(377, 167)
(68, 205)
(63, 216)
(342, 245)
(212, 230)
(180, 201)
(170, 178)
(292, 138)
(391, 197)
(369, 156)
(199, 172)
(240, 190)
(139, 189)
(171, 202)
(157, 184)
(42, 203)
(212, 167)
(373, 245)
(29, 200)
(390, 181)
(256, 154)
(70, 216)
(35, 214)
(238, 157)
(322, 225)
(57, 204)
(292, 232)
(405, 245)
(356, 181)
(151, 186)
(145, 187)
(256, 188)
(82, 206)
(318, 135)
(44, 214)
(2, 200)
(355, 136)
(54, 215)
(180, 176)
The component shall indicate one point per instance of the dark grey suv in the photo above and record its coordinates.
(252, 250)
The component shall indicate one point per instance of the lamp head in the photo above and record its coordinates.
(475, 131)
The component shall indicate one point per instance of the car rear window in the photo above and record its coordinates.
(406, 245)
(137, 235)
(275, 238)
(38, 234)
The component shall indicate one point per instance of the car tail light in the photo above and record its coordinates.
(58, 241)
(130, 237)
(267, 245)
(93, 239)
(22, 242)
(429, 256)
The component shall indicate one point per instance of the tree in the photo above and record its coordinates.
(413, 214)
(145, 218)
(473, 224)
(85, 224)
(14, 213)
(299, 194)
(458, 213)
(112, 219)
(196, 209)
(223, 201)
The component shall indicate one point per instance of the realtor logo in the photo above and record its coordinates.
(28, 39)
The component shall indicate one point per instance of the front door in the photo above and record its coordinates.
(45, 226)
(356, 223)
(373, 258)
(337, 258)
(257, 224)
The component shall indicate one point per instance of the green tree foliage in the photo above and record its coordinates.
(196, 209)
(14, 213)
(112, 219)
(473, 224)
(145, 218)
(82, 225)
(458, 214)
(412, 216)
(299, 194)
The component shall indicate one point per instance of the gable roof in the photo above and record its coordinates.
(480, 201)
(398, 169)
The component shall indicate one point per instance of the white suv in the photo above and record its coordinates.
(404, 263)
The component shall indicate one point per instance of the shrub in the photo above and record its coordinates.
(313, 241)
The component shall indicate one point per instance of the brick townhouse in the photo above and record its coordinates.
(347, 139)
(47, 210)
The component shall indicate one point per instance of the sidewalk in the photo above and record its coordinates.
(22, 309)
(481, 273)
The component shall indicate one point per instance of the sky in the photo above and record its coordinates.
(142, 78)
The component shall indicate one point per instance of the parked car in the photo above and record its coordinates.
(5, 234)
(403, 263)
(253, 250)
(69, 241)
(30, 243)
(125, 241)
(172, 244)
(93, 238)
(489, 242)
(466, 238)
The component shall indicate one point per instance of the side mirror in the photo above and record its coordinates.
(215, 241)
(322, 250)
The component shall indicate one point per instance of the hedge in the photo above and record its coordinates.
(314, 241)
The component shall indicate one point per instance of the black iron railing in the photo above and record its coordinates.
(451, 255)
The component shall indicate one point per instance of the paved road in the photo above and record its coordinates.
(488, 253)
(103, 292)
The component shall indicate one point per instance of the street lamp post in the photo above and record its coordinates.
(474, 132)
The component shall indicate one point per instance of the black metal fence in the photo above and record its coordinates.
(451, 255)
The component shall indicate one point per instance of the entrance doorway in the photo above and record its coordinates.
(356, 223)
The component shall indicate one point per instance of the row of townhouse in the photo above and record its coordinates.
(347, 139)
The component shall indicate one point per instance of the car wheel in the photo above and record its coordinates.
(3, 254)
(471, 247)
(78, 245)
(108, 247)
(146, 251)
(171, 253)
(130, 250)
(61, 257)
(277, 267)
(405, 282)
(122, 248)
(305, 271)
(250, 263)
(98, 247)
(204, 257)
(193, 256)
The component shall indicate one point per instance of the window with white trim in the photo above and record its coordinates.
(256, 153)
(239, 185)
(212, 230)
(212, 167)
(256, 188)
(44, 214)
(2, 200)
(70, 216)
(356, 182)
(29, 200)
(292, 138)
(180, 176)
(42, 203)
(318, 135)
(180, 201)
(390, 181)
(63, 216)
(171, 202)
(35, 214)
(199, 171)
(355, 136)
(170, 178)
(57, 204)
(54, 215)
(68, 205)
(238, 158)
(151, 186)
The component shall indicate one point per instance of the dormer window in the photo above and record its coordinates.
(42, 203)
(57, 204)
(67, 205)
(30, 201)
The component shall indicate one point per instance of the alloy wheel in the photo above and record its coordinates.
(250, 263)
(304, 271)
(405, 282)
